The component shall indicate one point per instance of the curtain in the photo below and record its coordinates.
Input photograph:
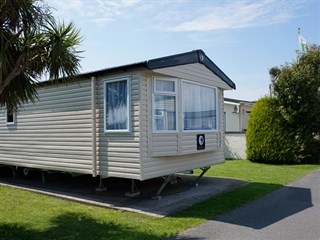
(164, 113)
(165, 86)
(164, 106)
(117, 105)
(199, 107)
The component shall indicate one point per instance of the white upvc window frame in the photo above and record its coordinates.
(155, 93)
(112, 80)
(13, 117)
(216, 107)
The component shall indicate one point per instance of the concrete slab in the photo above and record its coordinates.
(182, 194)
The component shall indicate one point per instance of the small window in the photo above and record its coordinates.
(164, 105)
(10, 116)
(117, 104)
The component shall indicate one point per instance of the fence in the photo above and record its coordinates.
(235, 145)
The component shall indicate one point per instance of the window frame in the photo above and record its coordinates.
(216, 108)
(165, 93)
(112, 80)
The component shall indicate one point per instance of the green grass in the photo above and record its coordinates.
(259, 172)
(26, 215)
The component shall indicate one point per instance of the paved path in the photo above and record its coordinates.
(289, 213)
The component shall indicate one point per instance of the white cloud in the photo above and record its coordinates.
(100, 12)
(240, 14)
(181, 16)
(64, 8)
(102, 21)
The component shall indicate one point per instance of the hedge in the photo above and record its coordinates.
(269, 138)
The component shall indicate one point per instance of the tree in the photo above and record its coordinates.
(33, 44)
(297, 88)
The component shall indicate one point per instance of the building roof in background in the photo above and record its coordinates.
(238, 101)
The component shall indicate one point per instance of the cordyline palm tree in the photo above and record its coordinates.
(32, 45)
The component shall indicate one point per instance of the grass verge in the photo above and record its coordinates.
(26, 215)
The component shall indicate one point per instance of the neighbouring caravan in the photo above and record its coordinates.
(138, 121)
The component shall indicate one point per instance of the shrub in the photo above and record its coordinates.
(269, 137)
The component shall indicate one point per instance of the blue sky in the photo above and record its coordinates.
(243, 38)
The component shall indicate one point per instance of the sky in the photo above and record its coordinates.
(243, 38)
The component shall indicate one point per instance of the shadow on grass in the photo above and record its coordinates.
(226, 202)
(74, 226)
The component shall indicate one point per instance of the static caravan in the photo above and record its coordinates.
(138, 121)
(236, 115)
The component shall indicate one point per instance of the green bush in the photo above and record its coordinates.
(269, 137)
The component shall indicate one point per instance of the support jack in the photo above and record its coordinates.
(204, 170)
(14, 172)
(167, 179)
(43, 177)
(134, 191)
(101, 187)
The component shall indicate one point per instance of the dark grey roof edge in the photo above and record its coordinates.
(120, 68)
(196, 56)
(215, 69)
(173, 60)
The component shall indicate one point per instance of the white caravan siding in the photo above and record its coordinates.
(168, 153)
(194, 72)
(54, 133)
(119, 152)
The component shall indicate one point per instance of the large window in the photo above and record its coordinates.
(164, 105)
(199, 107)
(117, 105)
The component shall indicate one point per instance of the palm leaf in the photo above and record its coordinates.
(63, 58)
(18, 92)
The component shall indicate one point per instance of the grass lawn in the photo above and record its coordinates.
(26, 215)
